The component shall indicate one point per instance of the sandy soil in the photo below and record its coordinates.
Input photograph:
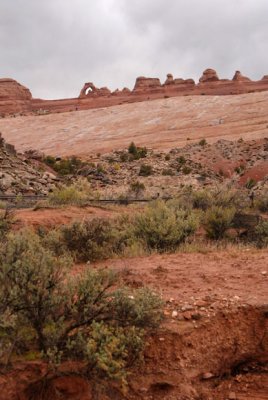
(53, 217)
(227, 276)
(160, 124)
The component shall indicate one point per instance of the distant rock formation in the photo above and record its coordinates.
(147, 84)
(238, 77)
(89, 89)
(209, 75)
(15, 98)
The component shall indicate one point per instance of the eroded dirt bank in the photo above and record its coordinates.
(222, 358)
(213, 343)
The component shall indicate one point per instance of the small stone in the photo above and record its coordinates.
(201, 303)
(187, 307)
(187, 315)
(232, 396)
(143, 389)
(161, 339)
(207, 375)
(174, 314)
(196, 316)
(264, 273)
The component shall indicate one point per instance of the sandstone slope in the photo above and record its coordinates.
(160, 124)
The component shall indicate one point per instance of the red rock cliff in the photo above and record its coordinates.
(14, 98)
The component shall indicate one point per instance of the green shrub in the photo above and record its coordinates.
(123, 157)
(168, 172)
(101, 169)
(6, 220)
(225, 197)
(3, 205)
(181, 160)
(90, 240)
(250, 183)
(262, 202)
(261, 234)
(65, 317)
(202, 142)
(186, 170)
(29, 276)
(202, 199)
(163, 227)
(145, 170)
(240, 169)
(137, 152)
(50, 160)
(132, 148)
(217, 221)
(111, 350)
(65, 166)
(75, 194)
(137, 188)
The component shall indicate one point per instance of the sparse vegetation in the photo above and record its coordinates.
(240, 169)
(90, 240)
(168, 172)
(137, 188)
(250, 183)
(6, 220)
(186, 170)
(167, 157)
(145, 170)
(163, 227)
(217, 220)
(181, 160)
(47, 313)
(137, 152)
(75, 194)
(202, 142)
(202, 199)
(262, 202)
(64, 166)
(261, 234)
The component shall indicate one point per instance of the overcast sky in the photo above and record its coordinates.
(54, 46)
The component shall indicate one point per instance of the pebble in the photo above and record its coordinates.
(201, 303)
(187, 307)
(232, 396)
(264, 273)
(207, 375)
(174, 314)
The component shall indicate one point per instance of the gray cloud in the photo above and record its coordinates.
(54, 46)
